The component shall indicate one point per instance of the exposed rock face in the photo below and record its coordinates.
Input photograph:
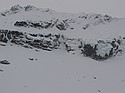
(46, 42)
(64, 24)
(38, 25)
(61, 25)
(101, 50)
(32, 17)
(47, 18)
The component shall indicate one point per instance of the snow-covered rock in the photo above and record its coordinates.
(16, 8)
(44, 51)
(101, 50)
(76, 33)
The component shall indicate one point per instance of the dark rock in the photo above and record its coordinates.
(22, 23)
(1, 70)
(15, 8)
(89, 50)
(95, 78)
(99, 91)
(4, 62)
(31, 59)
(29, 7)
(62, 25)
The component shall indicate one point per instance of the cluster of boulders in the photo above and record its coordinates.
(101, 50)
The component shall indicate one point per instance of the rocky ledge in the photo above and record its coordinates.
(101, 50)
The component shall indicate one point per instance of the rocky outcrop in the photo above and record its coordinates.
(67, 23)
(16, 8)
(101, 50)
(45, 42)
(5, 62)
(29, 7)
(39, 25)
(61, 25)
(47, 18)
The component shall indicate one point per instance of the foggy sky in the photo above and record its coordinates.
(111, 7)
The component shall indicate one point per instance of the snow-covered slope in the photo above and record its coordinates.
(52, 52)
(47, 18)
(39, 71)
(78, 30)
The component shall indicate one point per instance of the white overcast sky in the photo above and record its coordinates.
(114, 8)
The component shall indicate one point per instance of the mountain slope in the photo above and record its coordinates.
(30, 14)
(52, 52)
(58, 72)
(77, 27)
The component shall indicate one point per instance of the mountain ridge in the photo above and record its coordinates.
(39, 21)
(45, 51)
(42, 16)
